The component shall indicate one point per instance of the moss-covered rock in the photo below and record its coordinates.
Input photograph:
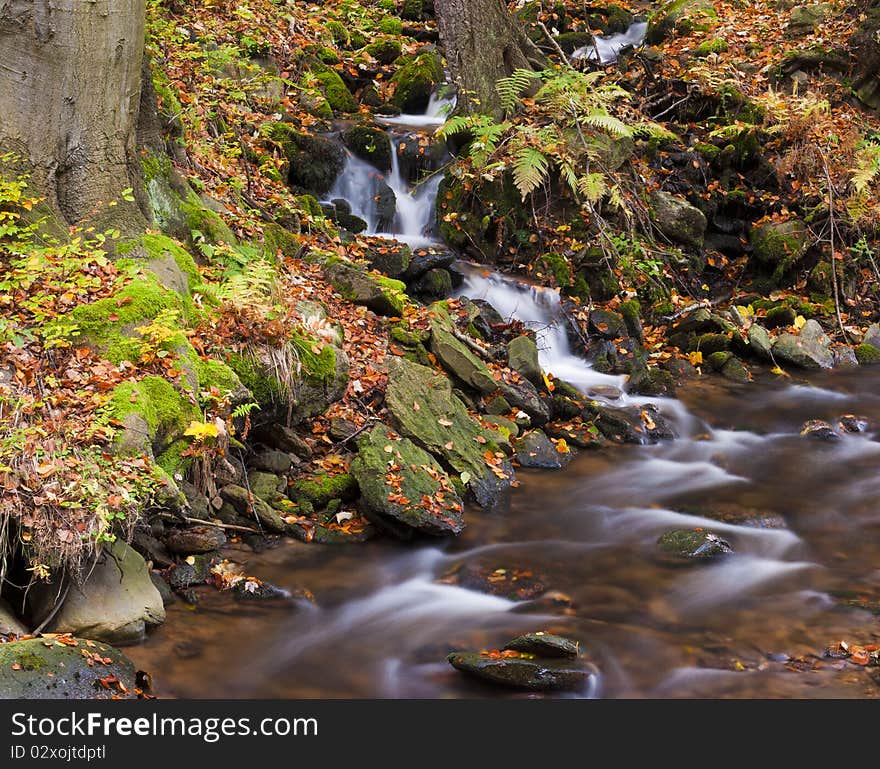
(369, 143)
(334, 88)
(678, 16)
(611, 20)
(434, 284)
(414, 82)
(279, 240)
(535, 449)
(442, 425)
(70, 668)
(693, 543)
(569, 42)
(678, 220)
(390, 26)
(385, 50)
(458, 360)
(524, 672)
(779, 244)
(322, 488)
(708, 47)
(867, 354)
(403, 484)
(384, 296)
(314, 162)
(412, 10)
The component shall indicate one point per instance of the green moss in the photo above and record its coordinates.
(214, 373)
(336, 92)
(390, 26)
(338, 32)
(394, 291)
(708, 47)
(779, 244)
(414, 82)
(553, 267)
(319, 366)
(867, 354)
(159, 246)
(204, 221)
(265, 389)
(412, 10)
(278, 239)
(323, 488)
(328, 55)
(385, 50)
(569, 42)
(30, 661)
(309, 204)
(172, 461)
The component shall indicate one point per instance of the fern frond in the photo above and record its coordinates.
(530, 169)
(607, 123)
(867, 169)
(512, 87)
(592, 186)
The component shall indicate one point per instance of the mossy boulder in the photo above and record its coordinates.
(804, 18)
(458, 360)
(606, 324)
(385, 50)
(759, 341)
(522, 357)
(314, 162)
(335, 90)
(370, 144)
(280, 240)
(403, 485)
(535, 449)
(809, 349)
(64, 669)
(678, 220)
(867, 354)
(390, 26)
(412, 10)
(779, 244)
(382, 295)
(434, 284)
(569, 42)
(676, 16)
(708, 47)
(442, 425)
(322, 488)
(391, 259)
(414, 82)
(611, 20)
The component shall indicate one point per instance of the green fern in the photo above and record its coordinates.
(607, 123)
(511, 88)
(530, 168)
(592, 186)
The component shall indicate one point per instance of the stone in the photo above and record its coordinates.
(522, 673)
(9, 622)
(759, 341)
(820, 430)
(872, 336)
(392, 259)
(522, 357)
(735, 371)
(845, 357)
(272, 461)
(116, 603)
(544, 645)
(535, 449)
(283, 438)
(341, 429)
(266, 486)
(499, 422)
(194, 571)
(584, 435)
(163, 587)
(434, 284)
(692, 543)
(151, 548)
(630, 425)
(402, 482)
(809, 349)
(370, 144)
(195, 539)
(780, 316)
(443, 426)
(459, 361)
(678, 220)
(804, 18)
(384, 296)
(524, 396)
(606, 324)
(425, 261)
(257, 590)
(779, 244)
(866, 355)
(250, 506)
(50, 669)
(498, 406)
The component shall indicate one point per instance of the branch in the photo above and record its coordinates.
(552, 41)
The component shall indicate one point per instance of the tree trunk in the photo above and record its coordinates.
(70, 85)
(483, 43)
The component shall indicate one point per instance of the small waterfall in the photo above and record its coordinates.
(605, 48)
(539, 309)
(439, 108)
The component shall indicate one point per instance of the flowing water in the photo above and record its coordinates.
(605, 48)
(802, 516)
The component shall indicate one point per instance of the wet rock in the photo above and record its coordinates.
(383, 296)
(584, 435)
(524, 396)
(266, 486)
(867, 354)
(392, 259)
(850, 423)
(415, 80)
(425, 261)
(195, 539)
(498, 406)
(250, 506)
(283, 438)
(678, 220)
(419, 154)
(810, 349)
(845, 357)
(199, 507)
(630, 425)
(631, 312)
(434, 284)
(535, 449)
(780, 316)
(116, 603)
(257, 590)
(163, 587)
(690, 543)
(779, 244)
(51, 669)
(606, 324)
(321, 488)
(522, 673)
(9, 622)
(459, 361)
(314, 162)
(759, 341)
(513, 583)
(443, 426)
(400, 481)
(820, 430)
(370, 144)
(229, 470)
(339, 212)
(680, 370)
(731, 368)
(544, 644)
(498, 422)
(272, 461)
(195, 570)
(151, 548)
(710, 343)
(522, 357)
(341, 429)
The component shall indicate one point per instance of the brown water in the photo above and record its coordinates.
(753, 625)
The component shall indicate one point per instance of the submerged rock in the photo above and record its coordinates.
(819, 429)
(510, 582)
(691, 543)
(523, 673)
(544, 645)
(64, 668)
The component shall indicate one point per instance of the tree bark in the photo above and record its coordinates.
(483, 44)
(70, 86)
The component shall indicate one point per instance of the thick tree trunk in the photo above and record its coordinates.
(483, 43)
(70, 85)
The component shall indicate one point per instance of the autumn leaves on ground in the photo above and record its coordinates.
(255, 366)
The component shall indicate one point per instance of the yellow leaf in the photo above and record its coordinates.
(696, 358)
(561, 446)
(201, 430)
(547, 383)
(778, 371)
(799, 321)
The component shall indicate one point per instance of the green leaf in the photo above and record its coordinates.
(529, 170)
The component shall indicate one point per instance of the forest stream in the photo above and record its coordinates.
(575, 551)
